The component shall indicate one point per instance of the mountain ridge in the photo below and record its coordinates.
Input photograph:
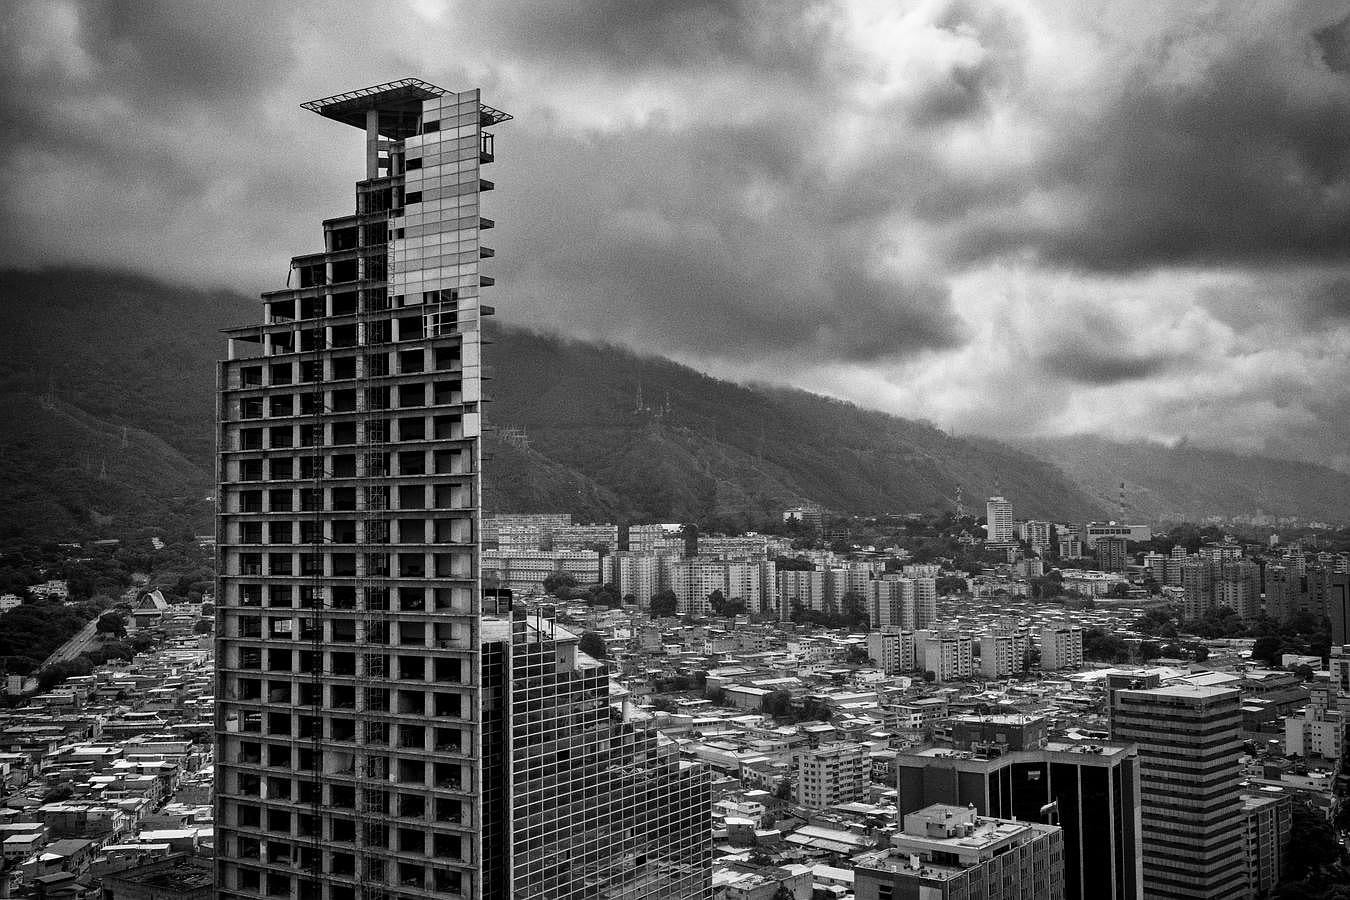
(102, 369)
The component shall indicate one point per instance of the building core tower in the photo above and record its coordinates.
(349, 711)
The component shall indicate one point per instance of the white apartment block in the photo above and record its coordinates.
(893, 649)
(891, 603)
(1061, 647)
(693, 580)
(650, 537)
(1092, 532)
(947, 655)
(585, 537)
(999, 515)
(524, 573)
(832, 774)
(806, 588)
(1037, 534)
(1002, 653)
(747, 545)
(634, 573)
(542, 523)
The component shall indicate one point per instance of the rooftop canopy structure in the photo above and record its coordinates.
(398, 104)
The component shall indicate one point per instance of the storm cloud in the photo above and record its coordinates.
(1016, 218)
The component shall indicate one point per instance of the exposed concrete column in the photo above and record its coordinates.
(372, 143)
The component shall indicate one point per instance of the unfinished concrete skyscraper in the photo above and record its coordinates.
(358, 751)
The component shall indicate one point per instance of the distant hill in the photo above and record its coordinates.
(106, 429)
(699, 447)
(106, 402)
(1186, 483)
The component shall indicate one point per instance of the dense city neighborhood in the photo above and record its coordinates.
(870, 714)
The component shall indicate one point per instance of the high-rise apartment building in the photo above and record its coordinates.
(948, 655)
(1061, 647)
(892, 648)
(998, 513)
(634, 574)
(1037, 534)
(1197, 578)
(1003, 653)
(1189, 739)
(1269, 825)
(831, 774)
(800, 588)
(1112, 554)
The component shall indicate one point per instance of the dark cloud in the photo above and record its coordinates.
(1328, 303)
(166, 52)
(1334, 42)
(661, 244)
(971, 87)
(1087, 366)
(1248, 163)
(623, 36)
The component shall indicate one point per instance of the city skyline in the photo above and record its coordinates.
(1018, 219)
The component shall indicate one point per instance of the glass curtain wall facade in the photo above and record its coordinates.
(599, 806)
(349, 709)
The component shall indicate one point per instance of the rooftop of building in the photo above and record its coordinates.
(1184, 690)
(399, 104)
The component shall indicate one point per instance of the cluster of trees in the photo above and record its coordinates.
(565, 588)
(1317, 866)
(850, 614)
(32, 632)
(1107, 646)
(721, 606)
(779, 705)
(1303, 634)
(593, 645)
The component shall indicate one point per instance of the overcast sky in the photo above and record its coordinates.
(1008, 218)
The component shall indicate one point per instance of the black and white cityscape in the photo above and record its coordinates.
(831, 450)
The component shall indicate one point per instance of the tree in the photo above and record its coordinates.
(592, 645)
(1100, 644)
(776, 703)
(203, 626)
(663, 604)
(951, 584)
(1312, 843)
(1149, 650)
(557, 581)
(853, 607)
(111, 623)
(716, 696)
(1267, 649)
(717, 601)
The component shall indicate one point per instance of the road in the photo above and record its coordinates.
(83, 640)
